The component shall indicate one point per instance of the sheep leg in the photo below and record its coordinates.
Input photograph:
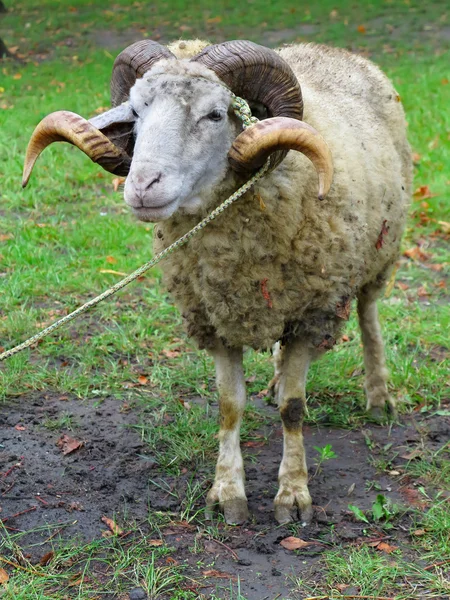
(228, 490)
(378, 397)
(292, 363)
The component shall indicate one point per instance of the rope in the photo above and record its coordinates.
(242, 110)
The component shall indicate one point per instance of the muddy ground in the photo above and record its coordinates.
(110, 475)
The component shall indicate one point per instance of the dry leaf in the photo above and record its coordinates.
(111, 260)
(143, 380)
(295, 543)
(214, 20)
(422, 292)
(6, 236)
(155, 542)
(4, 577)
(20, 428)
(416, 253)
(17, 76)
(444, 226)
(345, 338)
(171, 353)
(112, 525)
(253, 444)
(402, 286)
(416, 157)
(385, 547)
(361, 29)
(220, 574)
(68, 444)
(343, 309)
(117, 182)
(46, 558)
(419, 532)
(423, 192)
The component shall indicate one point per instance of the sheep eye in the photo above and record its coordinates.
(135, 115)
(215, 115)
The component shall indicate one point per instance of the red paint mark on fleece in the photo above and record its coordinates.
(265, 292)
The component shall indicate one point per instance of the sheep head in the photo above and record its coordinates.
(172, 129)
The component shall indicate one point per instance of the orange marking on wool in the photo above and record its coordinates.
(265, 292)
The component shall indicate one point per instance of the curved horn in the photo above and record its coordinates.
(66, 126)
(132, 63)
(257, 74)
(252, 147)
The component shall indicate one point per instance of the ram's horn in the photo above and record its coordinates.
(65, 126)
(252, 147)
(131, 64)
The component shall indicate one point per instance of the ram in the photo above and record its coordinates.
(282, 265)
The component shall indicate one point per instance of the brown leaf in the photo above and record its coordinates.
(214, 20)
(20, 428)
(416, 253)
(17, 76)
(117, 182)
(4, 577)
(445, 226)
(112, 525)
(253, 444)
(416, 158)
(416, 453)
(443, 81)
(143, 380)
(385, 547)
(423, 192)
(402, 286)
(219, 574)
(436, 267)
(419, 532)
(6, 236)
(295, 543)
(422, 292)
(345, 338)
(171, 353)
(361, 29)
(155, 542)
(46, 558)
(111, 260)
(68, 444)
(384, 231)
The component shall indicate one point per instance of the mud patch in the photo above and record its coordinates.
(113, 472)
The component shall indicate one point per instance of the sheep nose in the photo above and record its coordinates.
(154, 179)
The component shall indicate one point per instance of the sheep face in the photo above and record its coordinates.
(184, 129)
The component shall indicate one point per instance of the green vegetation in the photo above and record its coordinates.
(69, 236)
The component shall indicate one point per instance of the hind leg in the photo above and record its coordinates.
(378, 398)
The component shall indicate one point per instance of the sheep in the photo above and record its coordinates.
(282, 265)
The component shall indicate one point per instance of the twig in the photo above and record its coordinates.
(18, 514)
(235, 556)
(9, 489)
(58, 531)
(11, 469)
(438, 564)
(16, 566)
(42, 500)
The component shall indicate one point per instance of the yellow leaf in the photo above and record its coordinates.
(4, 577)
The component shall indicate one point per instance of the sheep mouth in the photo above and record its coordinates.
(150, 214)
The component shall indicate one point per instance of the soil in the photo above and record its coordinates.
(111, 473)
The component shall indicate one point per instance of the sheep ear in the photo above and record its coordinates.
(117, 124)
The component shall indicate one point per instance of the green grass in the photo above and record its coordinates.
(58, 235)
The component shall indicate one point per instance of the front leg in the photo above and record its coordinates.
(228, 490)
(292, 362)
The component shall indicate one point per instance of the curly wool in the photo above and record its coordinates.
(279, 262)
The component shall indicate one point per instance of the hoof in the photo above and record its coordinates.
(235, 511)
(383, 414)
(289, 514)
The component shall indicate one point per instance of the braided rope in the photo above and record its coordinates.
(242, 110)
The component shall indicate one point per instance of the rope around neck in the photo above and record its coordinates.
(242, 110)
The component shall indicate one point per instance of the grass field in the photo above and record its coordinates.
(69, 236)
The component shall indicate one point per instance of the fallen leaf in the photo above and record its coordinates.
(422, 292)
(253, 444)
(220, 574)
(143, 380)
(46, 558)
(214, 20)
(416, 157)
(295, 543)
(117, 182)
(444, 226)
(171, 353)
(423, 192)
(436, 267)
(20, 428)
(345, 338)
(361, 29)
(68, 444)
(419, 532)
(17, 76)
(385, 547)
(384, 231)
(155, 542)
(416, 253)
(416, 453)
(6, 236)
(443, 81)
(402, 286)
(111, 260)
(112, 525)
(4, 577)
(171, 561)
